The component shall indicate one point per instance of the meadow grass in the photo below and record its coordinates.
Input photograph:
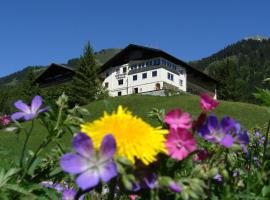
(247, 114)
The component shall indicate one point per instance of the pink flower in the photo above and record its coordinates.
(201, 155)
(5, 120)
(133, 197)
(207, 103)
(176, 119)
(180, 143)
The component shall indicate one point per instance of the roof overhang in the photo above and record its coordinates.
(136, 52)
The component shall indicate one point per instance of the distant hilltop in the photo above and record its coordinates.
(257, 38)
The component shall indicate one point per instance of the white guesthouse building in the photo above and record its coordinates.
(138, 69)
(142, 70)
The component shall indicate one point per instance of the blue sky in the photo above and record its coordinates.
(41, 32)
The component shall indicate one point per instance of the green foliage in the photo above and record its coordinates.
(264, 96)
(85, 83)
(240, 67)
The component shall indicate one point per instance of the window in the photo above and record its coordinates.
(124, 69)
(181, 82)
(106, 84)
(134, 77)
(119, 94)
(163, 62)
(120, 82)
(107, 74)
(117, 71)
(144, 75)
(154, 73)
(156, 62)
(133, 66)
(170, 76)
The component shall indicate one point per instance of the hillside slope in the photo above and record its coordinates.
(247, 114)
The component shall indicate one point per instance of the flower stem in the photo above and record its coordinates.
(112, 187)
(38, 151)
(266, 141)
(58, 118)
(28, 133)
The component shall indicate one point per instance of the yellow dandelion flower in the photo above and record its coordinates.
(134, 137)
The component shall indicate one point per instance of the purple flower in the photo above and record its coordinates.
(225, 133)
(145, 180)
(218, 178)
(216, 132)
(257, 134)
(236, 173)
(261, 140)
(69, 194)
(257, 162)
(28, 112)
(89, 165)
(174, 187)
(243, 139)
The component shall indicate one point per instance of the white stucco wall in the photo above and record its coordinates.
(143, 85)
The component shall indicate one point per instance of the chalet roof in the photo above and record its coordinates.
(136, 52)
(55, 73)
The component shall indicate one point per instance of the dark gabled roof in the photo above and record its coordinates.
(53, 70)
(136, 52)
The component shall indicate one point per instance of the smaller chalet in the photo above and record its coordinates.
(55, 74)
(139, 69)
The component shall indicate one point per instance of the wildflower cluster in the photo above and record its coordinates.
(138, 153)
(121, 155)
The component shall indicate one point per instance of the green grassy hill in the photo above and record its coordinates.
(247, 114)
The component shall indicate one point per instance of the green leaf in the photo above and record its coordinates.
(18, 189)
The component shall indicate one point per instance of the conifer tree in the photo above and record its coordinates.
(85, 83)
(28, 89)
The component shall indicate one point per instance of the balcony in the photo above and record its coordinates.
(120, 76)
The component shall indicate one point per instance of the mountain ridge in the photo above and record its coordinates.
(101, 57)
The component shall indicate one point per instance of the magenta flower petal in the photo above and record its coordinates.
(88, 179)
(22, 106)
(176, 119)
(107, 171)
(83, 145)
(180, 143)
(108, 147)
(36, 103)
(73, 163)
(227, 141)
(17, 115)
(207, 103)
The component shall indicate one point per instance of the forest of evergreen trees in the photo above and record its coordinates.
(240, 69)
